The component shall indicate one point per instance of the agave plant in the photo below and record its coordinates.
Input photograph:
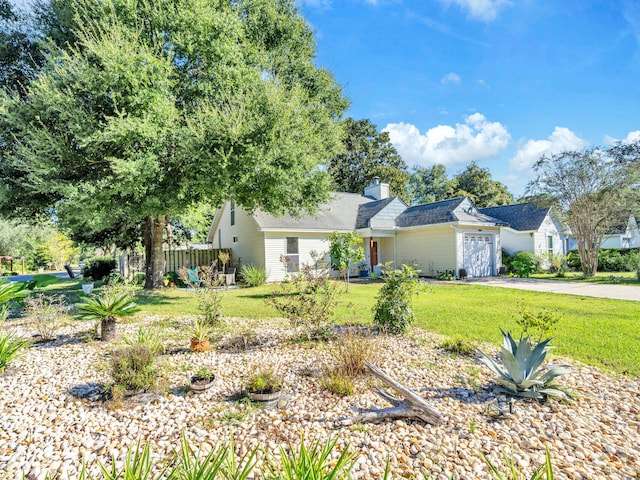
(524, 375)
(107, 308)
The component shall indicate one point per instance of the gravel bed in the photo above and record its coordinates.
(53, 412)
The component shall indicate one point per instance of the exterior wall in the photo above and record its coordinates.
(548, 228)
(514, 241)
(276, 246)
(432, 248)
(250, 245)
(611, 241)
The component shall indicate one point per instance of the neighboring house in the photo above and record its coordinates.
(447, 235)
(529, 228)
(623, 236)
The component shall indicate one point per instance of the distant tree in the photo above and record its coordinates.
(154, 107)
(368, 154)
(430, 184)
(476, 183)
(590, 191)
(345, 249)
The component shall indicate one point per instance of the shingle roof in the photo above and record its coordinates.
(368, 210)
(445, 211)
(520, 216)
(340, 213)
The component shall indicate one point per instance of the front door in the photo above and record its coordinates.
(373, 253)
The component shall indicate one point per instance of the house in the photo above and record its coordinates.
(623, 236)
(529, 228)
(447, 235)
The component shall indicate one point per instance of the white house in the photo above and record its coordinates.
(529, 228)
(623, 236)
(447, 235)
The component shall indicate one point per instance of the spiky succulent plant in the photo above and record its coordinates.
(524, 375)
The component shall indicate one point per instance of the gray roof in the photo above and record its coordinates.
(367, 211)
(340, 213)
(444, 211)
(520, 216)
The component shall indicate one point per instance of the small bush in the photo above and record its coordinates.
(264, 381)
(350, 352)
(338, 382)
(11, 347)
(524, 264)
(393, 312)
(139, 279)
(148, 338)
(45, 312)
(447, 275)
(134, 368)
(538, 324)
(99, 268)
(459, 346)
(253, 275)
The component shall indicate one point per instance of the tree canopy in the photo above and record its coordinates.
(367, 154)
(430, 184)
(591, 190)
(158, 106)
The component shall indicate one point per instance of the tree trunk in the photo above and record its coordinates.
(108, 329)
(154, 258)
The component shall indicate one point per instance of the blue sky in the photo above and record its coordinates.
(498, 82)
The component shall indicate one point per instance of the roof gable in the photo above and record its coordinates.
(459, 209)
(519, 216)
(383, 211)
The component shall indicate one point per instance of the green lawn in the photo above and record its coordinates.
(596, 331)
(624, 278)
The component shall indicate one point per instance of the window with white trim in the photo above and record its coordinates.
(232, 212)
(293, 254)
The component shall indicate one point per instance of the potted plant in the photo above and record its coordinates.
(200, 332)
(363, 268)
(107, 308)
(202, 380)
(264, 386)
(87, 285)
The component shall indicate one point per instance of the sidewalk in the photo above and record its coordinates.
(618, 292)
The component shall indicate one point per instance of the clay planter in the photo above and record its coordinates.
(265, 397)
(200, 346)
(200, 385)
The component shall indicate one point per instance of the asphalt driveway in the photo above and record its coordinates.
(618, 292)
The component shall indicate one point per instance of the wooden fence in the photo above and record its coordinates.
(131, 263)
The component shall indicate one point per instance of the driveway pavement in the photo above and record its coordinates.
(27, 278)
(618, 292)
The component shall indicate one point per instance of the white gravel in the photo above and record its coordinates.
(52, 414)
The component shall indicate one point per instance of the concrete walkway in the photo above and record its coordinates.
(618, 292)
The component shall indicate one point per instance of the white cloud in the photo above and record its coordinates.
(561, 139)
(474, 140)
(484, 10)
(631, 138)
(451, 78)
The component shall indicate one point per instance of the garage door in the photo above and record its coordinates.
(478, 258)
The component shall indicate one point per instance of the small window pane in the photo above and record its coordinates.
(292, 245)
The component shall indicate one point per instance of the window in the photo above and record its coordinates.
(550, 244)
(232, 211)
(293, 255)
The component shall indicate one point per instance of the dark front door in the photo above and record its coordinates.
(373, 253)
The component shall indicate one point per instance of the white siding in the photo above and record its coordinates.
(431, 248)
(548, 228)
(276, 246)
(515, 241)
(250, 245)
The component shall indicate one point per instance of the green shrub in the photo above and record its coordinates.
(133, 368)
(264, 381)
(459, 346)
(351, 351)
(338, 382)
(393, 312)
(253, 275)
(573, 260)
(524, 264)
(539, 324)
(99, 268)
(11, 347)
(446, 275)
(148, 338)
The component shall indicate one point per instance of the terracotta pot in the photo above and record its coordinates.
(200, 346)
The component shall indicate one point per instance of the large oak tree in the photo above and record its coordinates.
(159, 105)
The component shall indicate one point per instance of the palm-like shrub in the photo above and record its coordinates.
(107, 308)
(11, 346)
(253, 275)
(524, 375)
